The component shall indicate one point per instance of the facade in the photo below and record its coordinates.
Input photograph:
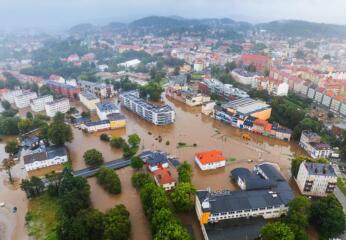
(311, 143)
(101, 90)
(158, 115)
(130, 64)
(45, 157)
(268, 198)
(23, 100)
(103, 109)
(89, 100)
(96, 126)
(116, 120)
(59, 105)
(9, 96)
(37, 104)
(163, 178)
(244, 77)
(66, 90)
(208, 107)
(261, 62)
(316, 179)
(210, 160)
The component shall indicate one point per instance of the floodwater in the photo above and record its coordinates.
(191, 127)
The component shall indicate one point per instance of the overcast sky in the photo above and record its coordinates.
(64, 13)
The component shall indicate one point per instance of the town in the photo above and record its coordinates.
(168, 128)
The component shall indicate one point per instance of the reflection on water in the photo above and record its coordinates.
(190, 127)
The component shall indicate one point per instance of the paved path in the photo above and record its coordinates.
(342, 199)
(115, 164)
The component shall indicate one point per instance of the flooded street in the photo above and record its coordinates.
(191, 127)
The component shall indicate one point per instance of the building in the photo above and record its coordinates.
(249, 107)
(163, 178)
(89, 100)
(96, 126)
(116, 120)
(158, 115)
(244, 77)
(23, 100)
(208, 107)
(311, 143)
(261, 62)
(210, 160)
(60, 105)
(196, 99)
(37, 104)
(66, 90)
(101, 90)
(155, 160)
(265, 194)
(45, 157)
(130, 64)
(105, 108)
(316, 179)
(10, 95)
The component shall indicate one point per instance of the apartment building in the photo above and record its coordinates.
(311, 143)
(101, 90)
(59, 105)
(103, 109)
(10, 95)
(66, 90)
(316, 179)
(158, 115)
(23, 100)
(37, 104)
(89, 100)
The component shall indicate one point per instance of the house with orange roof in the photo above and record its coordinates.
(163, 178)
(336, 103)
(210, 160)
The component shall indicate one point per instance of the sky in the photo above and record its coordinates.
(45, 14)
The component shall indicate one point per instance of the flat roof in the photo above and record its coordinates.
(89, 95)
(319, 169)
(107, 106)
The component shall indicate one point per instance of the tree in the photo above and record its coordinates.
(24, 125)
(140, 179)
(117, 142)
(6, 105)
(172, 230)
(93, 221)
(153, 89)
(85, 114)
(134, 140)
(328, 217)
(129, 151)
(93, 158)
(8, 164)
(136, 162)
(72, 228)
(276, 231)
(9, 125)
(32, 187)
(59, 132)
(185, 172)
(183, 197)
(104, 137)
(109, 180)
(12, 148)
(29, 115)
(117, 224)
(295, 164)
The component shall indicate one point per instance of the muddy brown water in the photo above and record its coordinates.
(191, 127)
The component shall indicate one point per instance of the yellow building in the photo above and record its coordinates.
(89, 100)
(116, 120)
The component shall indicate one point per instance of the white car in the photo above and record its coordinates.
(2, 204)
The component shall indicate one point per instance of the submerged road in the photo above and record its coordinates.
(90, 172)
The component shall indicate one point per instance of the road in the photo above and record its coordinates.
(115, 164)
(342, 199)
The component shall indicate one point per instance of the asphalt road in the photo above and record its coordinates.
(115, 164)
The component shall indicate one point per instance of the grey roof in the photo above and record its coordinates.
(246, 106)
(154, 158)
(90, 124)
(271, 172)
(88, 95)
(252, 180)
(107, 106)
(116, 116)
(45, 153)
(320, 169)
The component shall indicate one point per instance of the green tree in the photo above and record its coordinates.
(185, 172)
(8, 164)
(183, 197)
(117, 224)
(29, 115)
(328, 217)
(134, 140)
(12, 148)
(104, 137)
(117, 142)
(136, 162)
(93, 221)
(9, 125)
(93, 158)
(72, 228)
(129, 151)
(109, 180)
(59, 132)
(6, 105)
(172, 230)
(140, 179)
(24, 125)
(153, 89)
(276, 231)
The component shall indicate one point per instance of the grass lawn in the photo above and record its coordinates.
(342, 185)
(42, 218)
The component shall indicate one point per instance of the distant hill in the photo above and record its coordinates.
(82, 28)
(296, 28)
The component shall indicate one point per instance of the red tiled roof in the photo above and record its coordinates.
(163, 176)
(210, 156)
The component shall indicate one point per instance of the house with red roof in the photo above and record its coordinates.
(163, 178)
(210, 160)
(261, 62)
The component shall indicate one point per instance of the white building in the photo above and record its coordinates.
(37, 104)
(130, 64)
(101, 90)
(105, 108)
(45, 157)
(311, 143)
(11, 94)
(23, 100)
(244, 77)
(101, 125)
(210, 160)
(282, 89)
(163, 178)
(158, 115)
(59, 105)
(89, 100)
(316, 179)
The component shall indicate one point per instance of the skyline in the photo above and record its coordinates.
(42, 14)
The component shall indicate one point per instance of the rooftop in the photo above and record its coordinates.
(210, 156)
(107, 107)
(89, 95)
(163, 176)
(320, 169)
